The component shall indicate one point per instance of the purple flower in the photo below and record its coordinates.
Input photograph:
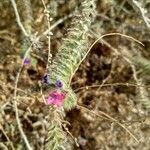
(46, 79)
(56, 98)
(26, 61)
(59, 84)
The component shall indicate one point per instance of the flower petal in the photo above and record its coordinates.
(26, 61)
(56, 98)
(59, 84)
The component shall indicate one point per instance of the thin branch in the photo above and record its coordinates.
(48, 34)
(15, 102)
(53, 26)
(100, 38)
(109, 84)
(57, 23)
(144, 98)
(18, 18)
(8, 139)
(41, 90)
(109, 75)
(143, 12)
(109, 118)
(75, 140)
(28, 15)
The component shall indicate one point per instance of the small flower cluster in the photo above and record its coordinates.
(46, 80)
(55, 97)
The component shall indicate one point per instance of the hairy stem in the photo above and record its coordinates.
(73, 50)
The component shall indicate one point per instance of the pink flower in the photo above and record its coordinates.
(56, 98)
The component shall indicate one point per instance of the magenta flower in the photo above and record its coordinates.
(56, 98)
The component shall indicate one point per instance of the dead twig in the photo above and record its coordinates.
(48, 34)
(108, 118)
(18, 18)
(15, 102)
(8, 139)
(109, 84)
(100, 38)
